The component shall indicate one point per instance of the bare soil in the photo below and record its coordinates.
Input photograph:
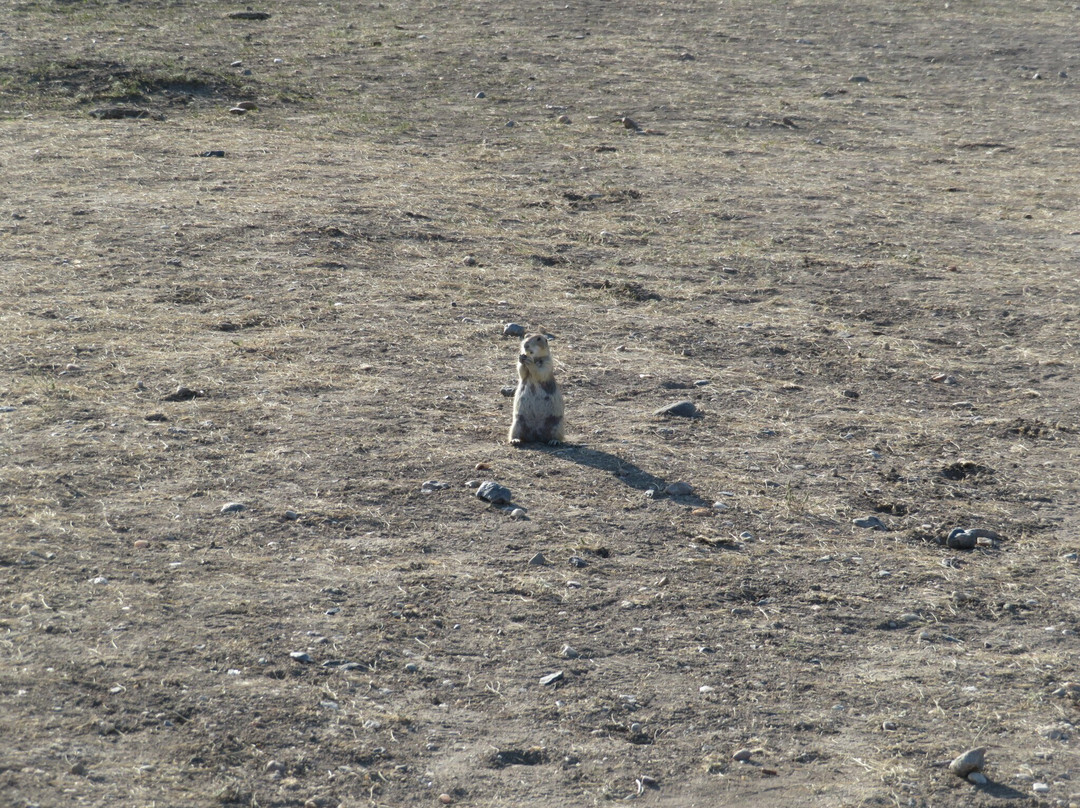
(848, 232)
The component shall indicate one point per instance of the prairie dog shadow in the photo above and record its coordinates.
(623, 470)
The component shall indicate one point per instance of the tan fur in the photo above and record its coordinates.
(538, 402)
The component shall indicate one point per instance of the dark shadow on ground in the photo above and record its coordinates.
(623, 470)
(1002, 791)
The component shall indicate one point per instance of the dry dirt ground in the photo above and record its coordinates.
(857, 225)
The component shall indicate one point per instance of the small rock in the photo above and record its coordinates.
(538, 560)
(564, 120)
(569, 652)
(156, 417)
(233, 507)
(433, 485)
(859, 79)
(960, 539)
(412, 667)
(869, 522)
(686, 57)
(508, 391)
(551, 678)
(78, 769)
(469, 260)
(682, 409)
(248, 15)
(706, 689)
(510, 124)
(1070, 690)
(629, 123)
(888, 726)
(446, 799)
(578, 562)
(301, 656)
(742, 755)
(112, 113)
(977, 778)
(518, 513)
(101, 580)
(679, 489)
(250, 106)
(183, 394)
(481, 94)
(494, 493)
(972, 760)
(746, 535)
(1040, 788)
(850, 394)
(237, 111)
(141, 544)
(291, 516)
(513, 330)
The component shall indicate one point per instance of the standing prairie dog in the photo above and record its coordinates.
(538, 402)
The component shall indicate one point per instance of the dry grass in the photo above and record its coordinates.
(876, 280)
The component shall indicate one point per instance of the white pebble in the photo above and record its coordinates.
(1040, 788)
(100, 580)
(706, 689)
(978, 778)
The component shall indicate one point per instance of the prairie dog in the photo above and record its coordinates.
(538, 402)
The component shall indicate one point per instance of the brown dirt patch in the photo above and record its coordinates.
(873, 280)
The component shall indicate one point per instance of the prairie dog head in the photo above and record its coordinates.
(534, 349)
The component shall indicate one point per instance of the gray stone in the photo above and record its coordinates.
(679, 489)
(869, 522)
(960, 539)
(233, 507)
(682, 409)
(494, 493)
(972, 760)
(513, 330)
(551, 678)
